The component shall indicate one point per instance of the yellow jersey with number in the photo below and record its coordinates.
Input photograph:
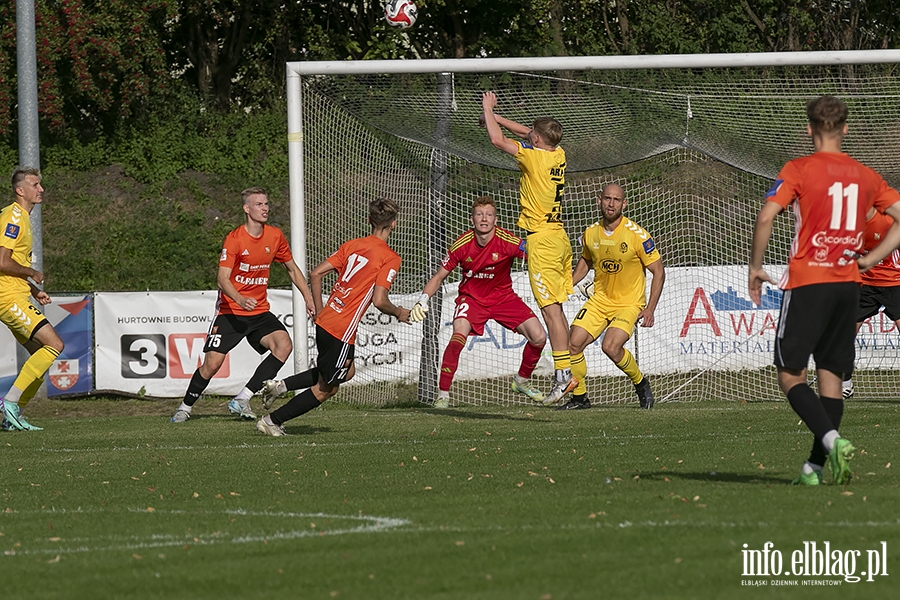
(15, 234)
(619, 260)
(540, 187)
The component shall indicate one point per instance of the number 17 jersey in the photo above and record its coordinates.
(362, 264)
(831, 194)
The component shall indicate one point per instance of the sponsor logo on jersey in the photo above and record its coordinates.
(245, 252)
(390, 276)
(251, 280)
(12, 231)
(224, 255)
(608, 265)
(649, 246)
(825, 239)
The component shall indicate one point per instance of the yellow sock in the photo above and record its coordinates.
(579, 371)
(32, 371)
(629, 366)
(29, 393)
(561, 360)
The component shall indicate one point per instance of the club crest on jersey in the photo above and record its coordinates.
(12, 231)
(623, 247)
(495, 256)
(267, 250)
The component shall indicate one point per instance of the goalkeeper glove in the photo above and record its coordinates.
(586, 288)
(418, 311)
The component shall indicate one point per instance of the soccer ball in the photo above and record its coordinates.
(400, 13)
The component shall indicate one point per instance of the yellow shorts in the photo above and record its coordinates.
(598, 313)
(549, 266)
(21, 316)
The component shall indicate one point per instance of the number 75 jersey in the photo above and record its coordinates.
(362, 264)
(831, 194)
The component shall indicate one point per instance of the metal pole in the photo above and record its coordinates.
(437, 237)
(29, 135)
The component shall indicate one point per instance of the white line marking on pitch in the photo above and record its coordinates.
(369, 524)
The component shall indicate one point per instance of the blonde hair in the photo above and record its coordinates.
(549, 129)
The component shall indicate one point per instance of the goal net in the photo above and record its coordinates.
(695, 151)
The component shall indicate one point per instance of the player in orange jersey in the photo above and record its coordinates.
(17, 281)
(242, 307)
(485, 253)
(880, 284)
(366, 269)
(831, 194)
(543, 165)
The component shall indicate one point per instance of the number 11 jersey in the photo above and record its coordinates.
(831, 194)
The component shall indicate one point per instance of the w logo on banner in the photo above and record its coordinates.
(64, 373)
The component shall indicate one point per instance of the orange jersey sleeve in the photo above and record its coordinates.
(830, 194)
(887, 272)
(250, 259)
(362, 264)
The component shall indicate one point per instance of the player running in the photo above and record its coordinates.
(485, 253)
(619, 251)
(831, 194)
(242, 307)
(543, 166)
(366, 269)
(17, 281)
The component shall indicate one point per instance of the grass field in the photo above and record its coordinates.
(113, 501)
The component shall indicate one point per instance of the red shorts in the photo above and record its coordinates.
(510, 311)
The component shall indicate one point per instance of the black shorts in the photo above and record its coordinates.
(228, 330)
(335, 357)
(872, 298)
(818, 320)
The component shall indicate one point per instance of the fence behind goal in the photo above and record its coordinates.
(695, 151)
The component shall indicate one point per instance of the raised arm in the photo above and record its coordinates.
(491, 122)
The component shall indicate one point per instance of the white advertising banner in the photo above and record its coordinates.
(151, 342)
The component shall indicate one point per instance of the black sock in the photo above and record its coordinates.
(303, 380)
(267, 369)
(195, 388)
(300, 404)
(809, 408)
(834, 408)
(580, 398)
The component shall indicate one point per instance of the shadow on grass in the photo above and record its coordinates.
(720, 477)
(306, 430)
(464, 414)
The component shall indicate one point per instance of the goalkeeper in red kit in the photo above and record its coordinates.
(485, 253)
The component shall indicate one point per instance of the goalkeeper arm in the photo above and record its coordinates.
(581, 270)
(418, 311)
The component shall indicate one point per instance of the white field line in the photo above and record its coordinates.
(368, 524)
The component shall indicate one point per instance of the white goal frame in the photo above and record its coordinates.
(296, 70)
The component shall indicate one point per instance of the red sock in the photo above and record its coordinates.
(530, 357)
(450, 361)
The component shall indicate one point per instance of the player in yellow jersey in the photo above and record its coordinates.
(17, 281)
(619, 251)
(543, 166)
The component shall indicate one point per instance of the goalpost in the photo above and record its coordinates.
(694, 140)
